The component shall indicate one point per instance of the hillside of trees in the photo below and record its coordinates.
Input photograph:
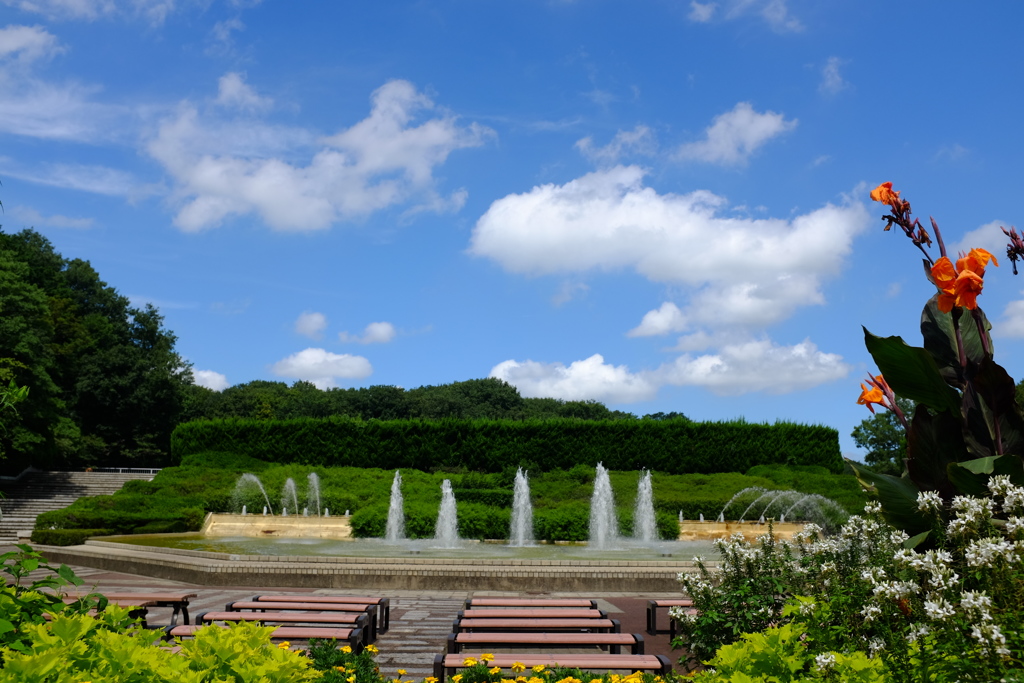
(106, 386)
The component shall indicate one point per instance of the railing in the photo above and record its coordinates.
(127, 470)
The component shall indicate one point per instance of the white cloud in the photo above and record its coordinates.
(155, 11)
(27, 43)
(233, 91)
(756, 366)
(322, 368)
(33, 218)
(311, 324)
(640, 140)
(386, 159)
(736, 271)
(95, 179)
(568, 291)
(210, 379)
(831, 80)
(701, 13)
(988, 236)
(375, 333)
(735, 135)
(660, 321)
(735, 369)
(61, 112)
(1012, 324)
(775, 13)
(589, 379)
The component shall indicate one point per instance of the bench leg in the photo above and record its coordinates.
(385, 615)
(439, 671)
(638, 644)
(652, 618)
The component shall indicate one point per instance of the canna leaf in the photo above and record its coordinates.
(940, 339)
(912, 372)
(896, 495)
(933, 442)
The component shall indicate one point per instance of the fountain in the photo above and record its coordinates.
(645, 528)
(446, 532)
(289, 496)
(521, 530)
(604, 525)
(246, 488)
(313, 492)
(395, 529)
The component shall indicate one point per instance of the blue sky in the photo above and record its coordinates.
(658, 205)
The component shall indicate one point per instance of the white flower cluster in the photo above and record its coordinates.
(682, 615)
(894, 590)
(929, 501)
(984, 552)
(825, 661)
(938, 609)
(1013, 496)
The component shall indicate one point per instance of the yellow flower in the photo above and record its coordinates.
(429, 679)
(456, 678)
(539, 668)
(372, 649)
(518, 667)
(486, 657)
(598, 680)
(341, 669)
(469, 661)
(284, 645)
(495, 670)
(348, 650)
(401, 672)
(351, 679)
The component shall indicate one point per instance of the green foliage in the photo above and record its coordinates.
(782, 654)
(67, 536)
(671, 446)
(107, 386)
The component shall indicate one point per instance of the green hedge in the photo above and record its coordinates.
(669, 446)
(66, 536)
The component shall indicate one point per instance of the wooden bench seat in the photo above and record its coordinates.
(652, 613)
(383, 604)
(542, 613)
(352, 636)
(335, 619)
(598, 663)
(613, 642)
(475, 603)
(176, 600)
(282, 606)
(592, 625)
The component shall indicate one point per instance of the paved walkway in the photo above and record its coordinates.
(420, 620)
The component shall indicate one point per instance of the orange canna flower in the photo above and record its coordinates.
(885, 194)
(960, 285)
(869, 396)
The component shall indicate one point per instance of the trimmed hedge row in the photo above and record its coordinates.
(670, 446)
(67, 536)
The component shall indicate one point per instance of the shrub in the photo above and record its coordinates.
(66, 536)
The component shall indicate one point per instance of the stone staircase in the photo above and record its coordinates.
(37, 492)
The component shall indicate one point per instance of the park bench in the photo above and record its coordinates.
(611, 641)
(283, 606)
(652, 614)
(543, 625)
(449, 663)
(176, 600)
(139, 608)
(536, 613)
(474, 603)
(331, 620)
(383, 604)
(351, 636)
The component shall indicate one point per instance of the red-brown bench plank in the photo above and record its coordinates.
(596, 662)
(383, 604)
(475, 603)
(353, 636)
(652, 613)
(264, 605)
(543, 613)
(597, 625)
(612, 641)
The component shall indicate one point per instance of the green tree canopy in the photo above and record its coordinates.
(885, 439)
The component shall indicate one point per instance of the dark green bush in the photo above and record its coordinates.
(495, 497)
(66, 536)
(671, 446)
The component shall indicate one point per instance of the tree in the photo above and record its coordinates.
(885, 439)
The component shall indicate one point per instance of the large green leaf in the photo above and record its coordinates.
(972, 336)
(934, 440)
(912, 372)
(940, 338)
(896, 495)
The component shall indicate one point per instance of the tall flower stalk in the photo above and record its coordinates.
(966, 426)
